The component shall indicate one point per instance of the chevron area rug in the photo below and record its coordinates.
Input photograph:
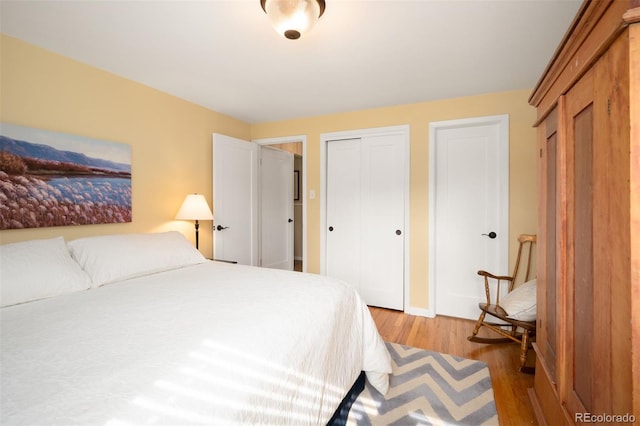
(428, 388)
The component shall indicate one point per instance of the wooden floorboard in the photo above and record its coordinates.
(449, 335)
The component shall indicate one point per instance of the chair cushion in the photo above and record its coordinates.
(520, 304)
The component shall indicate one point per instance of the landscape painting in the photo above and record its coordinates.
(57, 179)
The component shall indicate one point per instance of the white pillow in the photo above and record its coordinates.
(113, 258)
(520, 304)
(38, 269)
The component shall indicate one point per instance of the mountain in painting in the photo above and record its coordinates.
(45, 152)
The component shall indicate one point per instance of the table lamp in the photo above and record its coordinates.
(195, 207)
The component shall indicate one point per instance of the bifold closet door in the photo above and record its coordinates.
(365, 217)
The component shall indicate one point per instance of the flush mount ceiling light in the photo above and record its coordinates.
(292, 18)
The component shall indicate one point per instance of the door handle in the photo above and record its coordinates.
(290, 220)
(330, 228)
(398, 232)
(220, 227)
(491, 235)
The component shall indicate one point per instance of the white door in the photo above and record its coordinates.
(343, 233)
(383, 220)
(235, 200)
(469, 197)
(276, 208)
(365, 217)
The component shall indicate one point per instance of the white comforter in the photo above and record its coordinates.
(207, 344)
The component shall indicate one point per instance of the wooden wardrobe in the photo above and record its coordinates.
(588, 126)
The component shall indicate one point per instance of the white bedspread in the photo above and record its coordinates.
(208, 344)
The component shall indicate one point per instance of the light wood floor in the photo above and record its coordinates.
(449, 335)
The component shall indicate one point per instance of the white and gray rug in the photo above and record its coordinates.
(428, 388)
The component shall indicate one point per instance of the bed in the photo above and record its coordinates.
(141, 329)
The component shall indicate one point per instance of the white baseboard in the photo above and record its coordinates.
(420, 312)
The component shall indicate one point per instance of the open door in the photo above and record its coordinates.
(276, 208)
(235, 200)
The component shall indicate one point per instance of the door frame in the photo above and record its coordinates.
(303, 190)
(403, 130)
(503, 122)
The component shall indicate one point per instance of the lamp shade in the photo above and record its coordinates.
(194, 207)
(292, 18)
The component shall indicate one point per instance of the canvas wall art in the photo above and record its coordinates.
(57, 179)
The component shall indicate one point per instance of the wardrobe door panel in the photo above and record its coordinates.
(578, 303)
(611, 231)
(583, 336)
(547, 277)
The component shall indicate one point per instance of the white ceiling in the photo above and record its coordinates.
(225, 56)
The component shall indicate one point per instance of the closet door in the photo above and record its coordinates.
(382, 240)
(365, 217)
(343, 233)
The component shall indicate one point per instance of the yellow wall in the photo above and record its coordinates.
(418, 116)
(171, 145)
(170, 138)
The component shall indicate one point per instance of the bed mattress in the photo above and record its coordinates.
(212, 343)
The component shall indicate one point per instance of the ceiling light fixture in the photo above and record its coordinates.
(292, 18)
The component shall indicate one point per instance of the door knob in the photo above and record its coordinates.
(491, 235)
(398, 232)
(220, 227)
(330, 228)
(290, 220)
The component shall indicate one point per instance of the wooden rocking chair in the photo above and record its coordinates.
(511, 330)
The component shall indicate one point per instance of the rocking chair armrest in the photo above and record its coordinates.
(495, 277)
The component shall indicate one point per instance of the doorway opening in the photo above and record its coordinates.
(295, 145)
